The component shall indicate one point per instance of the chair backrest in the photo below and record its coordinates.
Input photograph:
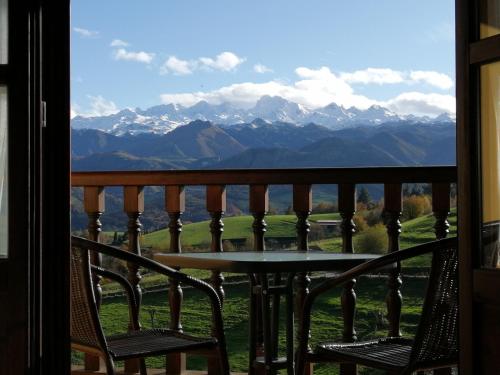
(436, 338)
(86, 329)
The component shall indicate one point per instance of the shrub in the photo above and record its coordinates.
(374, 216)
(324, 208)
(373, 240)
(360, 222)
(317, 232)
(416, 206)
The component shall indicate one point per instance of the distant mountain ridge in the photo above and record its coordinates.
(162, 119)
(260, 144)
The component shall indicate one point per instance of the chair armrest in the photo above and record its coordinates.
(378, 263)
(132, 303)
(161, 269)
(363, 268)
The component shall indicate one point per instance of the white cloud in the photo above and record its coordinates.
(99, 106)
(119, 43)
(177, 66)
(418, 103)
(261, 69)
(226, 61)
(383, 76)
(85, 33)
(379, 76)
(142, 57)
(432, 78)
(316, 88)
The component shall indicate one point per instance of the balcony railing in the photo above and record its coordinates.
(392, 178)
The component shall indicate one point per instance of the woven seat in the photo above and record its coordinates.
(390, 353)
(86, 330)
(153, 342)
(435, 343)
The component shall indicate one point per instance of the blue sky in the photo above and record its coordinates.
(131, 53)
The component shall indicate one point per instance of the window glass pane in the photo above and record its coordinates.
(490, 18)
(3, 31)
(490, 149)
(4, 230)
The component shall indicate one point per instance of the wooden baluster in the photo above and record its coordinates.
(133, 205)
(302, 206)
(93, 201)
(259, 206)
(216, 206)
(441, 208)
(175, 205)
(347, 209)
(393, 202)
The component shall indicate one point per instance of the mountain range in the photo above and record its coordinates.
(260, 144)
(162, 119)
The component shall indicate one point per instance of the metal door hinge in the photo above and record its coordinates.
(43, 116)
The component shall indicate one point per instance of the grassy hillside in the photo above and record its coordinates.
(198, 234)
(413, 232)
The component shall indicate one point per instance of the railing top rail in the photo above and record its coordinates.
(369, 175)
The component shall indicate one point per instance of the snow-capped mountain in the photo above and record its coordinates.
(162, 119)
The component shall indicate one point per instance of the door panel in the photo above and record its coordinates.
(19, 346)
(4, 222)
(478, 136)
(489, 14)
(490, 161)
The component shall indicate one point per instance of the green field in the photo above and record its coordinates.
(413, 232)
(198, 234)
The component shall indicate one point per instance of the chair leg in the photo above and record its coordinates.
(221, 353)
(110, 366)
(142, 366)
(300, 365)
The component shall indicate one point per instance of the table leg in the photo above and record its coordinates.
(275, 322)
(266, 323)
(252, 325)
(290, 369)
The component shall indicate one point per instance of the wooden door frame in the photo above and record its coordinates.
(471, 52)
(56, 187)
(35, 276)
(466, 208)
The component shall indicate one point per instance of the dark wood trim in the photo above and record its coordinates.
(467, 210)
(486, 286)
(56, 187)
(372, 175)
(485, 50)
(4, 74)
(20, 349)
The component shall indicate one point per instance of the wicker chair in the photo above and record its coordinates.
(86, 331)
(435, 343)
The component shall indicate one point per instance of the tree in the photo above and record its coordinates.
(364, 196)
